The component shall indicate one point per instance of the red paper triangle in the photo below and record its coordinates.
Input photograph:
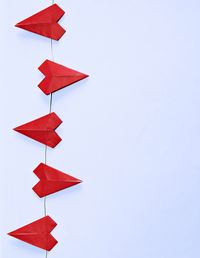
(57, 76)
(45, 22)
(52, 180)
(42, 129)
(37, 233)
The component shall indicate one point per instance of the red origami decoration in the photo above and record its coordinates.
(52, 180)
(37, 233)
(45, 22)
(57, 76)
(42, 129)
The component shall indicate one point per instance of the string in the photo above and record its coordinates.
(46, 147)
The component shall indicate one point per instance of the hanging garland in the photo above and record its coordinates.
(57, 76)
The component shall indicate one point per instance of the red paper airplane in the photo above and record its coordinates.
(42, 129)
(37, 233)
(57, 76)
(52, 180)
(45, 22)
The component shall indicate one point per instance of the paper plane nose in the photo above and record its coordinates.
(16, 129)
(19, 25)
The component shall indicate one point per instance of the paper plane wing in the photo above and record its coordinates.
(45, 22)
(57, 76)
(42, 129)
(37, 233)
(52, 180)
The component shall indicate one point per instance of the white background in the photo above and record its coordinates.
(130, 131)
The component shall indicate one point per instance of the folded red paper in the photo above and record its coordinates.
(45, 22)
(52, 180)
(57, 76)
(42, 129)
(37, 233)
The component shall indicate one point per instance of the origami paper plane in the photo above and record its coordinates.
(57, 76)
(37, 233)
(45, 22)
(42, 129)
(52, 180)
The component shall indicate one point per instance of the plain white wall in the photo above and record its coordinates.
(130, 131)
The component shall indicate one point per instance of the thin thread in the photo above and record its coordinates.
(46, 254)
(52, 50)
(45, 161)
(46, 147)
(45, 154)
